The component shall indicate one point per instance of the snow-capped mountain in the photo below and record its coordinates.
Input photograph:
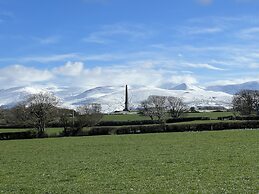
(12, 96)
(234, 88)
(112, 97)
(185, 86)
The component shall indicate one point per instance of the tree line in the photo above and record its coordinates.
(40, 110)
(158, 107)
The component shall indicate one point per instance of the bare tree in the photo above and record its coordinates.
(88, 115)
(246, 102)
(175, 106)
(66, 117)
(147, 109)
(41, 108)
(155, 107)
(2, 115)
(20, 115)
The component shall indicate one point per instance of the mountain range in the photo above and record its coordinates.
(234, 88)
(112, 97)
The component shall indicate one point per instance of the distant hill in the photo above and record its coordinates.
(234, 88)
(112, 97)
(185, 86)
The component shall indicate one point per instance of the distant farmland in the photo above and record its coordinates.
(132, 117)
(204, 162)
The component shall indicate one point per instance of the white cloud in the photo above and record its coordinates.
(50, 58)
(117, 75)
(65, 57)
(254, 65)
(201, 30)
(249, 33)
(70, 69)
(184, 78)
(17, 75)
(109, 33)
(204, 65)
(76, 74)
(132, 75)
(232, 81)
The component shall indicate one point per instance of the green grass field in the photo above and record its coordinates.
(201, 162)
(12, 130)
(207, 122)
(212, 115)
(49, 131)
(132, 117)
(129, 117)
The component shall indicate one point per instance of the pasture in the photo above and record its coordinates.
(126, 117)
(202, 162)
(136, 117)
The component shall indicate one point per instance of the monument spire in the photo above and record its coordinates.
(126, 108)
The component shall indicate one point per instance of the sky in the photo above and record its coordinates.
(89, 43)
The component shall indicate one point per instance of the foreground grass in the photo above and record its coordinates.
(207, 162)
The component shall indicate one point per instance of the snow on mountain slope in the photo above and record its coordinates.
(115, 100)
(185, 86)
(95, 92)
(112, 97)
(12, 96)
(234, 88)
(65, 92)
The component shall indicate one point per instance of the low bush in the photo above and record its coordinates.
(106, 130)
(141, 129)
(212, 126)
(15, 127)
(136, 129)
(156, 128)
(18, 135)
(251, 118)
(70, 131)
(149, 122)
(186, 119)
(123, 123)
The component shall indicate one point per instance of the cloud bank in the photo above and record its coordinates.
(79, 75)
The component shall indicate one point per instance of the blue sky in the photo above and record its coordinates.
(90, 43)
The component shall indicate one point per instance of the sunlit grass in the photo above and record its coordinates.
(202, 162)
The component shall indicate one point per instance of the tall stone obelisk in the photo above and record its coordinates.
(126, 108)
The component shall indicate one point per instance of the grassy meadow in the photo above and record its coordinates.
(211, 115)
(126, 117)
(136, 117)
(202, 162)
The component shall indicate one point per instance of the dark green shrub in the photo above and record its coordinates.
(101, 131)
(187, 119)
(18, 135)
(124, 123)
